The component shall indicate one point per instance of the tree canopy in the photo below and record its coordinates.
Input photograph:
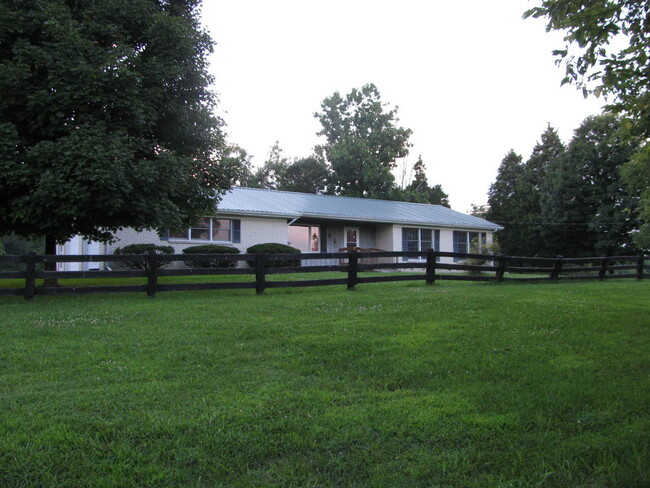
(106, 118)
(567, 200)
(362, 142)
(418, 190)
(607, 52)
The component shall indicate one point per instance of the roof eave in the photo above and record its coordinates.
(494, 227)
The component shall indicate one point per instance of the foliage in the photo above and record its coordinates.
(480, 211)
(585, 203)
(106, 118)
(636, 174)
(274, 248)
(536, 173)
(612, 43)
(505, 202)
(3, 252)
(398, 385)
(362, 142)
(268, 174)
(492, 249)
(307, 175)
(419, 191)
(211, 249)
(144, 249)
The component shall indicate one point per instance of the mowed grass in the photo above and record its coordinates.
(391, 385)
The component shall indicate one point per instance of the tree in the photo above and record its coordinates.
(362, 142)
(536, 172)
(268, 175)
(419, 191)
(585, 206)
(636, 174)
(597, 65)
(505, 205)
(307, 175)
(106, 118)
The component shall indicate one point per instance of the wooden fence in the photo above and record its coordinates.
(424, 266)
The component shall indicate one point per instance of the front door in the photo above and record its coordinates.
(351, 237)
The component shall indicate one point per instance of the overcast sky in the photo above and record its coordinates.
(472, 79)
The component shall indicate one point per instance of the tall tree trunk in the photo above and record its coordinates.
(50, 249)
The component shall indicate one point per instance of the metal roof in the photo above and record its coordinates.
(292, 205)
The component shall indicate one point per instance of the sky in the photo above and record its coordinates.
(471, 79)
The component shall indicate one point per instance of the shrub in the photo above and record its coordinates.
(211, 249)
(274, 248)
(492, 249)
(143, 249)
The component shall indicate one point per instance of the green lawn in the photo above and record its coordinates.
(392, 385)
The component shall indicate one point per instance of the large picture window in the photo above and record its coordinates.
(207, 229)
(305, 237)
(415, 239)
(469, 242)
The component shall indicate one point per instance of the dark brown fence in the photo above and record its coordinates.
(422, 266)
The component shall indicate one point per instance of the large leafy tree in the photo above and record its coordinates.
(362, 142)
(106, 118)
(607, 53)
(307, 175)
(585, 205)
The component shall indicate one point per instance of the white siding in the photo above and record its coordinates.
(253, 231)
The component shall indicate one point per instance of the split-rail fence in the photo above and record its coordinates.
(423, 266)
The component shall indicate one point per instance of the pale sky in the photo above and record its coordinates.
(471, 78)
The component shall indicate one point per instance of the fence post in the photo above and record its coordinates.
(557, 267)
(260, 274)
(502, 267)
(152, 274)
(431, 267)
(603, 269)
(30, 275)
(352, 270)
(639, 266)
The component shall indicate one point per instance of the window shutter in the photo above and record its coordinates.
(456, 242)
(405, 245)
(163, 235)
(236, 230)
(436, 242)
(323, 239)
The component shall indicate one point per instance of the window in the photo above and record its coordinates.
(415, 240)
(469, 242)
(304, 237)
(207, 229)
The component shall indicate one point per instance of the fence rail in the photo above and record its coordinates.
(425, 266)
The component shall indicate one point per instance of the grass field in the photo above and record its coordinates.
(392, 385)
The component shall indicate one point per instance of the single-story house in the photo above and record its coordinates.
(313, 223)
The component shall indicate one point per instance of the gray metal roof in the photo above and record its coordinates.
(292, 205)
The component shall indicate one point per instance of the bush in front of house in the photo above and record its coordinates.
(274, 248)
(143, 249)
(211, 249)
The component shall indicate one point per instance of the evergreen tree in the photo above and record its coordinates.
(506, 207)
(419, 191)
(619, 69)
(585, 204)
(536, 171)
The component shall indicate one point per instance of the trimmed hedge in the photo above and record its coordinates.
(211, 249)
(274, 248)
(144, 249)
